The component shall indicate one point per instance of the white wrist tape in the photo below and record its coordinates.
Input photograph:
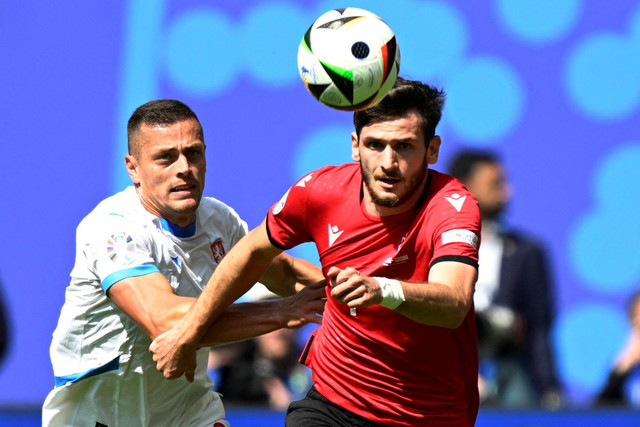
(392, 294)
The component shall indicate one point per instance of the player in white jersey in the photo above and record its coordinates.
(142, 257)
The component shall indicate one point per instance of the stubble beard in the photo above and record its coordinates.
(397, 199)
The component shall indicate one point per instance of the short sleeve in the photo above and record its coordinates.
(115, 248)
(457, 229)
(286, 220)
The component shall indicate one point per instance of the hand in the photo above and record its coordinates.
(305, 306)
(354, 289)
(172, 357)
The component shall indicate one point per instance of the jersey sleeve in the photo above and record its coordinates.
(287, 219)
(237, 227)
(116, 248)
(456, 235)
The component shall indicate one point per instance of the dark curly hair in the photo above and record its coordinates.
(405, 97)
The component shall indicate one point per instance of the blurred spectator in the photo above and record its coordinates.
(263, 371)
(514, 297)
(4, 327)
(623, 384)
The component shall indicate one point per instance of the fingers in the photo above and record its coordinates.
(337, 276)
(346, 282)
(173, 361)
(315, 319)
(321, 284)
(348, 293)
(350, 287)
(333, 272)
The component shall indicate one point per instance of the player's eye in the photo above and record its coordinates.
(163, 157)
(374, 145)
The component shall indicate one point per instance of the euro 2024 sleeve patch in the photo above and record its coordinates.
(120, 247)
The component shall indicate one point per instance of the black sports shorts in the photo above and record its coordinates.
(315, 410)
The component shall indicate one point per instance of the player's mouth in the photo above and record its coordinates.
(183, 188)
(388, 182)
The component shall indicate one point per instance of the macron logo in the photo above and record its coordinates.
(334, 233)
(456, 201)
(303, 181)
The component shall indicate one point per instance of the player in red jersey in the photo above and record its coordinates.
(398, 243)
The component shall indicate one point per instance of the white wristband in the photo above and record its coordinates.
(392, 294)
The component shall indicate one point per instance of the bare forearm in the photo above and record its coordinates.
(434, 304)
(239, 270)
(223, 289)
(444, 300)
(287, 275)
(243, 321)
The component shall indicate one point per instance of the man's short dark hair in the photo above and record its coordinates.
(405, 97)
(160, 112)
(463, 164)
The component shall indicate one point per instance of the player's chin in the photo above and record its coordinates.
(186, 205)
(385, 198)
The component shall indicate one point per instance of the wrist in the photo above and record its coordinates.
(392, 292)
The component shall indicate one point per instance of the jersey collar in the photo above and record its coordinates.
(178, 231)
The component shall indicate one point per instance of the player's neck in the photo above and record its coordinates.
(377, 209)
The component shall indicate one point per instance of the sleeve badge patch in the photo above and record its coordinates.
(120, 247)
(460, 235)
(280, 205)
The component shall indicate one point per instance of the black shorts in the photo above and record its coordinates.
(315, 410)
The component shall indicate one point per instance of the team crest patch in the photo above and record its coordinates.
(120, 247)
(217, 249)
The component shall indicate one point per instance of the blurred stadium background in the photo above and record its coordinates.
(552, 86)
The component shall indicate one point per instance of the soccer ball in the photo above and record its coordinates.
(349, 59)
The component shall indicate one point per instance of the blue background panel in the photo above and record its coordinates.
(553, 86)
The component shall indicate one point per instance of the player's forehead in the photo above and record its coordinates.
(186, 133)
(407, 127)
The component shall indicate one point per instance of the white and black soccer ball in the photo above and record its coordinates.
(349, 59)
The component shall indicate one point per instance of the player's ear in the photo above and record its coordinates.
(355, 152)
(433, 149)
(132, 168)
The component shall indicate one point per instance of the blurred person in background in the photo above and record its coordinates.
(5, 335)
(514, 296)
(623, 383)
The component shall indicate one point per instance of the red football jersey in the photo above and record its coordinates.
(380, 364)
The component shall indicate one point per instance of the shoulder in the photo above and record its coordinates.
(324, 185)
(120, 207)
(212, 210)
(450, 196)
(330, 175)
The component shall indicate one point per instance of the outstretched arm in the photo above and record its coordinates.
(241, 268)
(443, 301)
(287, 275)
(151, 303)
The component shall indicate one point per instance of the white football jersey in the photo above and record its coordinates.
(101, 362)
